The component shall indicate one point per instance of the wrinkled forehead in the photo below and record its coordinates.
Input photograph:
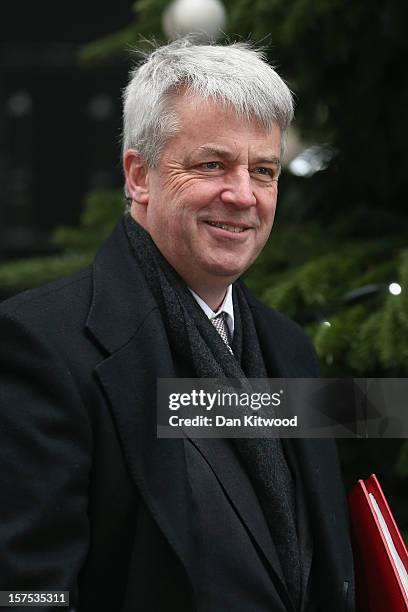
(215, 124)
(187, 104)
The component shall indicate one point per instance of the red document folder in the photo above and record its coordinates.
(380, 555)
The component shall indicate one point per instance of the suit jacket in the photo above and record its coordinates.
(92, 502)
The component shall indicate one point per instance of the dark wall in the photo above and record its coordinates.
(59, 120)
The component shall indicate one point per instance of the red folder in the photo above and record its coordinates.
(380, 555)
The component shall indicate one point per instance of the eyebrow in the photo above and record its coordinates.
(268, 159)
(230, 156)
(215, 150)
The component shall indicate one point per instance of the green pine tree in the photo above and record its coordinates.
(340, 236)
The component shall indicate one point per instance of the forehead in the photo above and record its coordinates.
(206, 124)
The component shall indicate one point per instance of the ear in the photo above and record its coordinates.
(136, 174)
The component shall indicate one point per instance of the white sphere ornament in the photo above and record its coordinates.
(204, 18)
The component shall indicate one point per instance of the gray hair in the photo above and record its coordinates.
(236, 74)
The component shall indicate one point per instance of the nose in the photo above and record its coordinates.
(239, 190)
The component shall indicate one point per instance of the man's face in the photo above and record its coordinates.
(212, 197)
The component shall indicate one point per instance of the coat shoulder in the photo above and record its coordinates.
(291, 348)
(54, 292)
(274, 316)
(69, 295)
(50, 322)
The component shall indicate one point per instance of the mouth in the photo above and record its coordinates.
(234, 228)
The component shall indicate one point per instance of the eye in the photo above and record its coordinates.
(266, 173)
(211, 165)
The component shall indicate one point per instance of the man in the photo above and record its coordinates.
(92, 501)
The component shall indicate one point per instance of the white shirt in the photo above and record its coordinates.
(227, 307)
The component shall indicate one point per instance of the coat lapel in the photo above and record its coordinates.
(315, 464)
(157, 465)
(223, 460)
(125, 321)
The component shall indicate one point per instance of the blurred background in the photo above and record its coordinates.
(337, 261)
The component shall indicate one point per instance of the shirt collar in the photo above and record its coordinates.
(227, 307)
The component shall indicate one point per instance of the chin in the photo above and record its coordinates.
(229, 272)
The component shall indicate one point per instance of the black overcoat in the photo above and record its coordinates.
(92, 502)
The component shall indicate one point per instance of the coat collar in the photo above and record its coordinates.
(121, 297)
